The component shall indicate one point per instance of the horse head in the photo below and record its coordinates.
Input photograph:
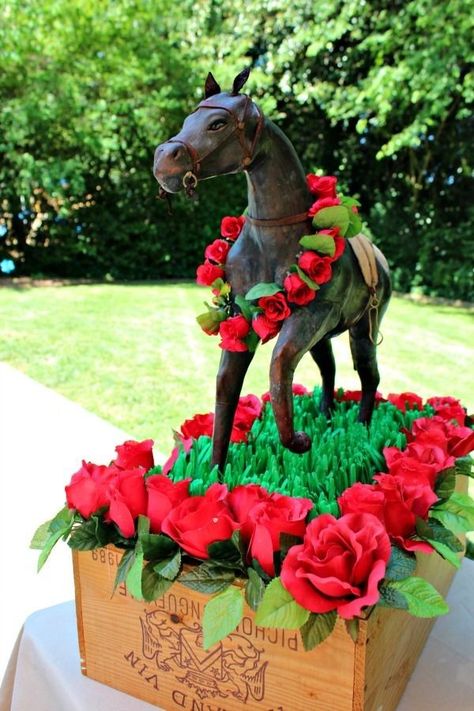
(219, 137)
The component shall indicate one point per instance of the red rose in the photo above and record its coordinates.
(217, 251)
(207, 273)
(233, 331)
(316, 267)
(339, 565)
(323, 186)
(418, 460)
(436, 431)
(128, 500)
(275, 308)
(249, 408)
(355, 396)
(264, 517)
(362, 498)
(133, 454)
(243, 498)
(198, 426)
(449, 408)
(297, 291)
(405, 499)
(321, 204)
(405, 401)
(264, 328)
(163, 495)
(198, 521)
(231, 227)
(88, 490)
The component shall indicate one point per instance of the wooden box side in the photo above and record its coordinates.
(395, 640)
(154, 651)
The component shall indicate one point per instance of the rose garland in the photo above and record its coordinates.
(265, 307)
(321, 567)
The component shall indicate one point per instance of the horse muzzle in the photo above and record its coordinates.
(170, 165)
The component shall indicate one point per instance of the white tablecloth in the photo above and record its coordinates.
(44, 670)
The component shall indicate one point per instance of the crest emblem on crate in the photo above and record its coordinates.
(234, 670)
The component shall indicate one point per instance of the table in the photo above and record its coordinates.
(44, 669)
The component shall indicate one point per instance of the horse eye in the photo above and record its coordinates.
(216, 125)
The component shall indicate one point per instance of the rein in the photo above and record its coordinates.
(190, 179)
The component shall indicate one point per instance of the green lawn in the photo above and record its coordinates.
(134, 354)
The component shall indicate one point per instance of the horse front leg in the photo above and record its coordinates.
(300, 332)
(230, 378)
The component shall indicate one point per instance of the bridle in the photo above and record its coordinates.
(190, 179)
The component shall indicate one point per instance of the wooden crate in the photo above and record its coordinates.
(154, 650)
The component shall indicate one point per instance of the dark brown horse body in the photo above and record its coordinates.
(227, 134)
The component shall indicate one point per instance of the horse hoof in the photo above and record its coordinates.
(300, 443)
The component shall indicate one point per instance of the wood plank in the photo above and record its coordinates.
(154, 651)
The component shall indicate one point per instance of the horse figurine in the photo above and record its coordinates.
(227, 133)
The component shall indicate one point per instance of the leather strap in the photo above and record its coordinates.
(279, 221)
(364, 252)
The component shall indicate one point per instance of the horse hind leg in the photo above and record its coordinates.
(364, 356)
(324, 358)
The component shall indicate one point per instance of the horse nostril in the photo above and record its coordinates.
(176, 152)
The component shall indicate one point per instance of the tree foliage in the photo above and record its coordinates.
(376, 92)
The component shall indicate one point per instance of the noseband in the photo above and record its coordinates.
(190, 178)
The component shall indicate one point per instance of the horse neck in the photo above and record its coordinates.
(276, 181)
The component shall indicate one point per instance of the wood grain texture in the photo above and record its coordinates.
(154, 650)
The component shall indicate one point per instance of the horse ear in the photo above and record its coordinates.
(211, 87)
(240, 80)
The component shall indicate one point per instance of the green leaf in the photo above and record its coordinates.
(211, 320)
(244, 307)
(422, 598)
(62, 521)
(355, 224)
(279, 609)
(304, 277)
(41, 536)
(157, 546)
(349, 201)
(391, 597)
(433, 530)
(456, 513)
(221, 616)
(262, 289)
(169, 567)
(91, 534)
(446, 483)
(133, 579)
(124, 566)
(254, 589)
(153, 585)
(324, 244)
(143, 526)
(252, 341)
(317, 628)
(464, 466)
(227, 553)
(336, 216)
(47, 548)
(400, 565)
(208, 578)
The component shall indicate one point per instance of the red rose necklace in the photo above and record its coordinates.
(266, 305)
